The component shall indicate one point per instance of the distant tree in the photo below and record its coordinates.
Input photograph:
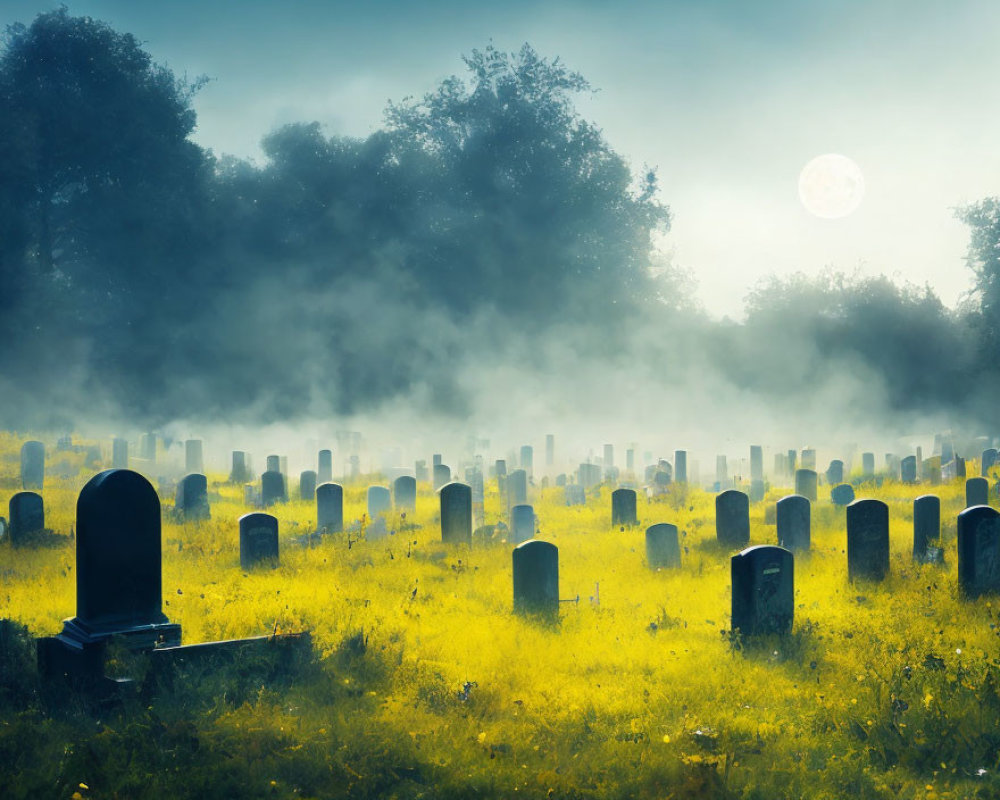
(983, 258)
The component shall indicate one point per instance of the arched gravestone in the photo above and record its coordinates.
(194, 460)
(456, 513)
(987, 461)
(404, 493)
(908, 469)
(273, 464)
(258, 541)
(662, 546)
(517, 488)
(867, 540)
(536, 578)
(763, 587)
(680, 466)
(926, 527)
(307, 485)
(732, 518)
(806, 483)
(119, 453)
(32, 465)
(330, 507)
(792, 516)
(325, 472)
(240, 472)
(527, 459)
(272, 488)
(842, 495)
(835, 472)
(26, 513)
(192, 497)
(623, 507)
(977, 492)
(442, 475)
(978, 551)
(522, 523)
(379, 501)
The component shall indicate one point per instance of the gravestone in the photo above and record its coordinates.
(868, 465)
(436, 460)
(959, 467)
(756, 463)
(575, 495)
(274, 464)
(680, 466)
(379, 501)
(630, 459)
(867, 540)
(550, 449)
(809, 459)
(194, 461)
(908, 469)
(806, 484)
(192, 497)
(517, 488)
(404, 494)
(932, 470)
(119, 453)
(987, 461)
(662, 546)
(442, 475)
(33, 465)
(456, 513)
(240, 473)
(26, 512)
(307, 485)
(926, 528)
(977, 492)
(324, 473)
(623, 507)
(258, 541)
(792, 516)
(522, 524)
(536, 578)
(330, 508)
(528, 459)
(978, 551)
(842, 495)
(283, 469)
(780, 464)
(732, 518)
(835, 472)
(763, 591)
(272, 488)
(479, 487)
(609, 458)
(561, 480)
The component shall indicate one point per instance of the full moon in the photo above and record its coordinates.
(831, 186)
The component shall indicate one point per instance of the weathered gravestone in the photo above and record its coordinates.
(500, 468)
(330, 507)
(528, 459)
(630, 459)
(307, 485)
(835, 472)
(119, 453)
(536, 578)
(575, 495)
(456, 513)
(977, 492)
(623, 507)
(868, 465)
(324, 473)
(987, 461)
(978, 551)
(756, 463)
(442, 475)
(792, 516)
(272, 488)
(926, 528)
(842, 495)
(258, 541)
(404, 493)
(732, 518)
(662, 546)
(680, 466)
(517, 488)
(867, 540)
(32, 465)
(194, 460)
(191, 499)
(240, 472)
(763, 587)
(379, 501)
(522, 524)
(274, 463)
(26, 513)
(806, 484)
(908, 469)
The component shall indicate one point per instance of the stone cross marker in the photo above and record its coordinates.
(623, 507)
(324, 474)
(842, 495)
(119, 453)
(33, 465)
(867, 540)
(522, 524)
(330, 508)
(194, 460)
(926, 527)
(379, 501)
(240, 473)
(26, 513)
(192, 497)
(258, 541)
(763, 586)
(456, 513)
(307, 485)
(272, 488)
(732, 518)
(662, 546)
(404, 493)
(536, 578)
(978, 551)
(806, 484)
(977, 492)
(442, 475)
(792, 516)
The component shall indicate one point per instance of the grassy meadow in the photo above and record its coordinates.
(425, 685)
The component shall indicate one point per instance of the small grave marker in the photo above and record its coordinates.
(258, 541)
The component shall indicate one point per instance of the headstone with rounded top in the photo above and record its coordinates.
(272, 488)
(806, 484)
(522, 523)
(404, 493)
(977, 492)
(536, 578)
(379, 501)
(307, 485)
(793, 517)
(456, 513)
(926, 528)
(26, 512)
(867, 540)
(732, 518)
(979, 551)
(324, 472)
(662, 546)
(623, 507)
(192, 497)
(763, 591)
(442, 475)
(330, 508)
(258, 541)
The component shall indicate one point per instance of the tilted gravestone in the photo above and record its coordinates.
(258, 541)
(324, 472)
(732, 518)
(240, 472)
(868, 465)
(792, 516)
(623, 507)
(835, 472)
(442, 475)
(806, 484)
(987, 461)
(522, 524)
(978, 551)
(273, 464)
(977, 492)
(756, 463)
(192, 497)
(517, 488)
(536, 578)
(763, 587)
(379, 501)
(926, 527)
(680, 466)
(33, 465)
(575, 496)
(272, 488)
(456, 513)
(867, 540)
(908, 469)
(307, 485)
(662, 546)
(26, 513)
(330, 507)
(194, 460)
(404, 494)
(842, 495)
(119, 453)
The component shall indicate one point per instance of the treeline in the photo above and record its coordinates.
(141, 274)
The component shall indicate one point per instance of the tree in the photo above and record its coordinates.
(983, 258)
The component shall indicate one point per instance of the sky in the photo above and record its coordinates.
(727, 100)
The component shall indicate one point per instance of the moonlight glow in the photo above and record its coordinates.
(831, 186)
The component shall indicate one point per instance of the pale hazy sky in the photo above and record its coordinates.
(728, 100)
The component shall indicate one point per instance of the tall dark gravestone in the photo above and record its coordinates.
(536, 578)
(680, 466)
(908, 469)
(192, 497)
(258, 541)
(977, 492)
(522, 524)
(324, 474)
(194, 458)
(528, 459)
(835, 472)
(119, 453)
(756, 463)
(33, 466)
(987, 461)
(867, 540)
(868, 465)
(792, 516)
(404, 493)
(456, 513)
(623, 507)
(379, 501)
(272, 488)
(517, 488)
(662, 546)
(763, 586)
(307, 485)
(240, 472)
(330, 508)
(926, 527)
(978, 551)
(806, 484)
(26, 515)
(732, 518)
(442, 475)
